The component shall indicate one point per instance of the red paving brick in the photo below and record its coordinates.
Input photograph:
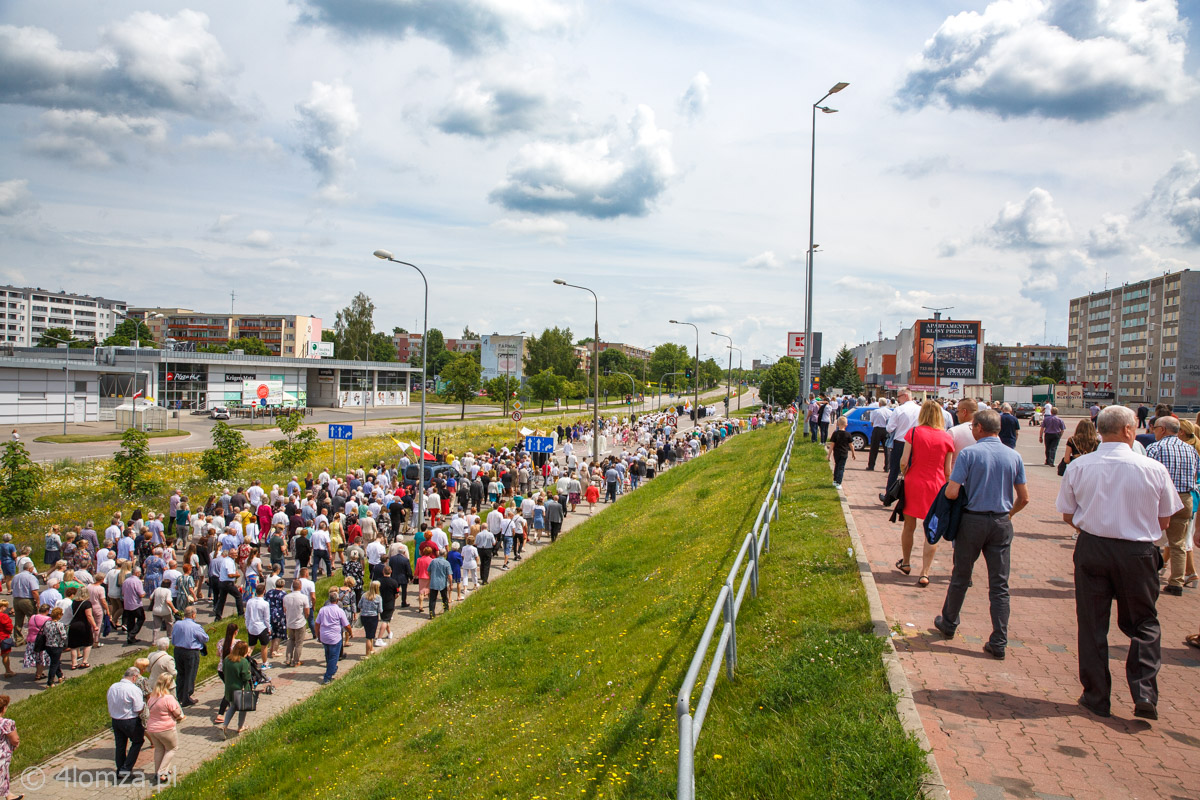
(1011, 728)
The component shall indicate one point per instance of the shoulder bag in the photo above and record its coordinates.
(1062, 465)
(245, 700)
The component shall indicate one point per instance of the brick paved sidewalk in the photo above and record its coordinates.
(1012, 729)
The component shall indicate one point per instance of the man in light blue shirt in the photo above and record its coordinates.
(189, 639)
(125, 547)
(329, 624)
(439, 582)
(989, 473)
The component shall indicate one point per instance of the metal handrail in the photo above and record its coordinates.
(725, 611)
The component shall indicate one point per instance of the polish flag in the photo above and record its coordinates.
(137, 394)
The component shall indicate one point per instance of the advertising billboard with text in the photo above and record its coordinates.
(501, 355)
(952, 344)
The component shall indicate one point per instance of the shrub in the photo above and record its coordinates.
(20, 480)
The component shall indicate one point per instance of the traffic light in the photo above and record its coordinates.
(687, 373)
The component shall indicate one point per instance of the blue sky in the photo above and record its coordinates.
(999, 158)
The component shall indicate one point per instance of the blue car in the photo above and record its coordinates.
(858, 425)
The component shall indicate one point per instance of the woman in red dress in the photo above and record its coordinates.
(927, 460)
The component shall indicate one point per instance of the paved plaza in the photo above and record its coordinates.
(1012, 729)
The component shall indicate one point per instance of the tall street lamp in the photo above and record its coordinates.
(66, 374)
(696, 376)
(595, 369)
(812, 194)
(387, 256)
(739, 396)
(729, 376)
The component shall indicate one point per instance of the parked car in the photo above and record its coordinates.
(432, 470)
(218, 412)
(858, 425)
(1023, 410)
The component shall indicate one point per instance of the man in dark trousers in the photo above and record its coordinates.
(879, 434)
(554, 518)
(1120, 502)
(990, 474)
(485, 543)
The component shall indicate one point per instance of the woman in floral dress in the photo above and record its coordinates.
(9, 742)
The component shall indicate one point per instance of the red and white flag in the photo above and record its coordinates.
(137, 394)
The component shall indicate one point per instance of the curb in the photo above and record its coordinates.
(933, 786)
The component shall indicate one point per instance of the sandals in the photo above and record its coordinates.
(923, 581)
(1193, 641)
(905, 568)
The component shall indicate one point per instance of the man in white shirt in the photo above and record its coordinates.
(1120, 503)
(125, 703)
(375, 552)
(879, 420)
(961, 433)
(295, 610)
(901, 421)
(459, 528)
(320, 548)
(438, 537)
(258, 623)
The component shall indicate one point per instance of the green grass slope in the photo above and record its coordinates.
(560, 680)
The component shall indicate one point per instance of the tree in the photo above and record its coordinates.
(328, 336)
(382, 347)
(994, 370)
(297, 446)
(669, 357)
(54, 337)
(129, 331)
(247, 344)
(130, 469)
(614, 360)
(469, 334)
(462, 376)
(436, 345)
(546, 385)
(354, 327)
(223, 460)
(396, 331)
(843, 373)
(711, 373)
(1054, 370)
(502, 387)
(20, 480)
(781, 384)
(552, 350)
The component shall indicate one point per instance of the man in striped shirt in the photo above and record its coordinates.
(1182, 462)
(1119, 502)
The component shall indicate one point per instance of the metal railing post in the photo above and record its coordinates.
(754, 565)
(685, 788)
(731, 621)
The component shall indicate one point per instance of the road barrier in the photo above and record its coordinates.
(724, 612)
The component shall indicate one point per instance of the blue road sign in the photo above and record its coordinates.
(341, 431)
(539, 444)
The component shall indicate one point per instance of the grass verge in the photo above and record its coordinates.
(560, 680)
(82, 438)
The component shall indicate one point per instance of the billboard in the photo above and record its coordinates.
(795, 345)
(254, 392)
(320, 349)
(501, 355)
(956, 345)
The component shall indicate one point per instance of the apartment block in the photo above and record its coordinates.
(1024, 360)
(284, 334)
(1143, 338)
(28, 312)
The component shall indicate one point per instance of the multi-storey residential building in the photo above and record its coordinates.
(284, 334)
(1142, 338)
(632, 351)
(27, 313)
(1024, 360)
(409, 344)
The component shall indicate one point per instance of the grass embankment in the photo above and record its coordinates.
(67, 714)
(560, 680)
(83, 438)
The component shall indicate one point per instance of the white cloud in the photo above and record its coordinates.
(327, 121)
(1111, 237)
(223, 222)
(223, 141)
(1063, 59)
(284, 263)
(15, 197)
(259, 238)
(89, 138)
(947, 248)
(1053, 278)
(1176, 196)
(494, 110)
(464, 26)
(546, 228)
(694, 101)
(1033, 223)
(707, 313)
(620, 173)
(764, 260)
(146, 62)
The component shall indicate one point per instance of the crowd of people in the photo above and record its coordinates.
(259, 553)
(1129, 491)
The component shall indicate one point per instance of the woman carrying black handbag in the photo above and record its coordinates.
(239, 686)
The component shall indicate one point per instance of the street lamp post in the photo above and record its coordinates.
(66, 375)
(696, 376)
(387, 256)
(812, 194)
(595, 369)
(739, 395)
(729, 376)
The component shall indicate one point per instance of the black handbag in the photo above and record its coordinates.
(39, 644)
(245, 700)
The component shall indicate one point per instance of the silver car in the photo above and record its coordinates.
(218, 412)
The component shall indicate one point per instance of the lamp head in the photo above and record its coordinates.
(384, 254)
(560, 282)
(673, 321)
(827, 109)
(837, 87)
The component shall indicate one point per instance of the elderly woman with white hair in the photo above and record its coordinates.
(161, 662)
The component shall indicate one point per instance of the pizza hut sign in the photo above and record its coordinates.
(184, 376)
